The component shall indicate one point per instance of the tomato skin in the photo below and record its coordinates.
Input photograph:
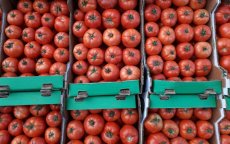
(127, 4)
(15, 127)
(222, 14)
(224, 126)
(203, 67)
(225, 139)
(92, 38)
(201, 17)
(32, 49)
(205, 129)
(93, 124)
(15, 17)
(203, 49)
(13, 48)
(47, 51)
(202, 33)
(95, 56)
(57, 69)
(110, 72)
(224, 62)
(9, 74)
(129, 134)
(96, 111)
(22, 139)
(48, 20)
(52, 135)
(131, 38)
(37, 140)
(187, 129)
(166, 35)
(43, 66)
(111, 18)
(92, 139)
(79, 114)
(153, 123)
(185, 15)
(111, 115)
(79, 28)
(163, 4)
(130, 19)
(152, 13)
(153, 46)
(151, 29)
(61, 23)
(203, 113)
(58, 8)
(171, 69)
(26, 65)
(6, 109)
(80, 51)
(54, 119)
(184, 33)
(87, 5)
(4, 137)
(34, 127)
(169, 17)
(168, 53)
(184, 50)
(21, 112)
(94, 73)
(75, 142)
(93, 19)
(180, 3)
(110, 134)
(184, 113)
(223, 46)
(113, 55)
(130, 73)
(170, 129)
(80, 67)
(61, 40)
(28, 35)
(157, 138)
(178, 140)
(187, 68)
(10, 65)
(13, 32)
(155, 64)
(25, 6)
(129, 116)
(75, 130)
(43, 35)
(41, 6)
(131, 56)
(32, 19)
(198, 140)
(111, 37)
(39, 110)
(197, 4)
(107, 4)
(167, 113)
(78, 15)
(5, 120)
(224, 30)
(61, 55)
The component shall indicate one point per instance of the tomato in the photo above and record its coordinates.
(10, 65)
(152, 13)
(25, 6)
(153, 123)
(58, 8)
(92, 139)
(43, 35)
(184, 33)
(222, 14)
(75, 130)
(184, 113)
(37, 140)
(130, 19)
(26, 65)
(201, 17)
(198, 140)
(15, 17)
(202, 33)
(110, 134)
(224, 126)
(197, 4)
(163, 4)
(167, 113)
(61, 40)
(61, 23)
(127, 4)
(32, 19)
(170, 129)
(203, 67)
(79, 28)
(41, 6)
(203, 113)
(95, 56)
(78, 15)
(223, 46)
(93, 124)
(184, 50)
(6, 109)
(94, 73)
(187, 68)
(15, 127)
(178, 140)
(87, 5)
(21, 139)
(224, 30)
(61, 55)
(39, 110)
(92, 38)
(55, 107)
(13, 31)
(80, 52)
(52, 135)
(131, 56)
(224, 62)
(205, 129)
(203, 49)
(130, 73)
(13, 48)
(131, 38)
(111, 18)
(47, 51)
(157, 138)
(168, 17)
(113, 55)
(166, 35)
(43, 66)
(174, 79)
(153, 46)
(129, 116)
(180, 3)
(171, 69)
(75, 142)
(54, 119)
(57, 68)
(111, 37)
(107, 4)
(79, 114)
(168, 53)
(185, 15)
(155, 64)
(96, 111)
(34, 127)
(5, 120)
(28, 35)
(93, 19)
(111, 115)
(80, 67)
(48, 20)
(21, 112)
(4, 137)
(110, 72)
(187, 129)
(9, 74)
(81, 79)
(225, 139)
(151, 29)
(32, 49)
(129, 134)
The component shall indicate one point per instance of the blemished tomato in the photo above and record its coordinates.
(87, 5)
(43, 66)
(164, 4)
(130, 19)
(171, 69)
(129, 116)
(54, 119)
(10, 65)
(34, 126)
(223, 46)
(205, 129)
(48, 20)
(155, 64)
(13, 31)
(127, 4)
(168, 17)
(32, 19)
(61, 40)
(131, 38)
(78, 15)
(153, 123)
(170, 129)
(198, 140)
(201, 17)
(151, 29)
(224, 126)
(112, 37)
(61, 55)
(184, 113)
(184, 33)
(52, 135)
(15, 127)
(41, 6)
(204, 49)
(79, 28)
(4, 137)
(180, 3)
(80, 51)
(58, 8)
(32, 49)
(187, 68)
(22, 139)
(222, 14)
(167, 113)
(79, 114)
(168, 52)
(184, 15)
(75, 130)
(95, 56)
(202, 33)
(93, 19)
(111, 115)
(184, 50)
(131, 56)
(110, 134)
(166, 35)
(187, 129)
(92, 139)
(61, 23)
(197, 4)
(80, 67)
(92, 38)
(130, 73)
(94, 73)
(13, 48)
(37, 140)
(157, 138)
(111, 18)
(225, 62)
(203, 67)
(15, 17)
(25, 6)
(129, 134)
(47, 51)
(9, 74)
(153, 46)
(110, 72)
(152, 13)
(6, 109)
(113, 55)
(107, 4)
(28, 35)
(224, 30)
(178, 140)
(94, 124)
(21, 112)
(5, 120)
(26, 65)
(39, 110)
(44, 35)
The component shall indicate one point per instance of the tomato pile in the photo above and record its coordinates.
(223, 34)
(179, 126)
(37, 39)
(30, 124)
(108, 40)
(224, 127)
(177, 35)
(103, 126)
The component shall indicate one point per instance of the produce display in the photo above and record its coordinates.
(36, 124)
(179, 126)
(108, 41)
(177, 35)
(37, 39)
(103, 126)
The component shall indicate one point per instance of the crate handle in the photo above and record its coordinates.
(207, 92)
(4, 91)
(46, 89)
(167, 94)
(122, 94)
(81, 96)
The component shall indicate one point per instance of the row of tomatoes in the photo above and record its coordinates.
(179, 126)
(36, 124)
(37, 38)
(224, 127)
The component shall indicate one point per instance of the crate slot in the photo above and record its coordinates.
(4, 91)
(46, 89)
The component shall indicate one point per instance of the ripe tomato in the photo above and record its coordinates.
(39, 110)
(129, 116)
(225, 62)
(47, 20)
(223, 46)
(5, 120)
(110, 134)
(184, 50)
(22, 139)
(198, 140)
(180, 3)
(93, 124)
(151, 29)
(37, 140)
(15, 17)
(95, 56)
(203, 67)
(79, 28)
(25, 6)
(92, 139)
(127, 4)
(93, 19)
(13, 31)
(107, 4)
(111, 37)
(197, 4)
(155, 64)
(26, 65)
(202, 33)
(185, 15)
(61, 55)
(61, 40)
(92, 38)
(80, 67)
(187, 68)
(170, 129)
(111, 18)
(153, 46)
(47, 51)
(54, 119)
(13, 48)
(111, 114)
(187, 129)
(55, 107)
(113, 55)
(224, 30)
(43, 66)
(43, 35)
(110, 72)
(178, 140)
(75, 130)
(225, 139)
(52, 135)
(224, 126)
(130, 73)
(32, 19)
(28, 35)
(201, 17)
(80, 52)
(184, 33)
(78, 15)
(21, 112)
(41, 6)
(166, 35)
(6, 109)
(171, 69)
(129, 134)
(157, 138)
(10, 65)
(131, 56)
(204, 49)
(184, 113)
(4, 137)
(32, 49)
(87, 5)
(222, 15)
(168, 17)
(15, 127)
(205, 129)
(153, 123)
(167, 113)
(58, 8)
(81, 79)
(130, 19)
(152, 13)
(61, 23)
(94, 73)
(9, 74)
(131, 38)
(168, 53)
(163, 4)
(79, 114)
(34, 127)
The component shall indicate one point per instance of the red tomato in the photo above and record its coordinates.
(107, 4)
(28, 35)
(9, 74)
(198, 140)
(129, 116)
(131, 56)
(6, 109)
(26, 65)
(5, 120)
(158, 77)
(112, 37)
(201, 17)
(110, 72)
(187, 129)
(80, 67)
(43, 35)
(203, 67)
(157, 138)
(205, 129)
(41, 6)
(167, 113)
(47, 20)
(32, 19)
(178, 140)
(81, 79)
(15, 127)
(87, 5)
(184, 113)
(202, 33)
(61, 23)
(96, 111)
(4, 137)
(127, 4)
(166, 35)
(94, 73)
(224, 126)
(187, 68)
(185, 15)
(224, 30)
(58, 8)
(111, 18)
(92, 139)
(168, 17)
(95, 56)
(34, 127)
(155, 64)
(93, 124)
(43, 66)
(37, 140)
(13, 31)
(153, 123)
(171, 69)
(153, 46)
(111, 115)
(75, 130)
(129, 134)
(25, 6)
(223, 46)
(180, 3)
(80, 52)
(204, 49)
(92, 38)
(184, 33)
(197, 4)
(151, 29)
(10, 65)
(61, 55)
(170, 129)
(78, 15)
(168, 53)
(22, 139)
(110, 134)
(225, 62)
(222, 14)
(79, 28)
(79, 114)
(39, 110)
(15, 17)
(55, 107)
(163, 4)
(184, 50)
(54, 119)
(113, 55)
(47, 51)
(130, 73)
(52, 135)
(21, 112)
(130, 19)
(32, 49)
(61, 40)
(13, 48)
(152, 13)
(93, 19)
(131, 38)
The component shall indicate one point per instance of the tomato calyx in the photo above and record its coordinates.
(203, 32)
(92, 17)
(129, 72)
(51, 134)
(110, 35)
(169, 110)
(91, 122)
(40, 5)
(79, 66)
(130, 17)
(150, 28)
(187, 48)
(55, 118)
(84, 3)
(154, 43)
(30, 126)
(186, 13)
(78, 26)
(187, 67)
(77, 113)
(9, 45)
(71, 130)
(203, 14)
(109, 134)
(58, 9)
(13, 15)
(91, 36)
(209, 130)
(155, 120)
(131, 54)
(154, 11)
(171, 16)
(189, 130)
(156, 63)
(24, 62)
(26, 4)
(31, 17)
(37, 108)
(171, 131)
(47, 19)
(108, 70)
(186, 30)
(111, 114)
